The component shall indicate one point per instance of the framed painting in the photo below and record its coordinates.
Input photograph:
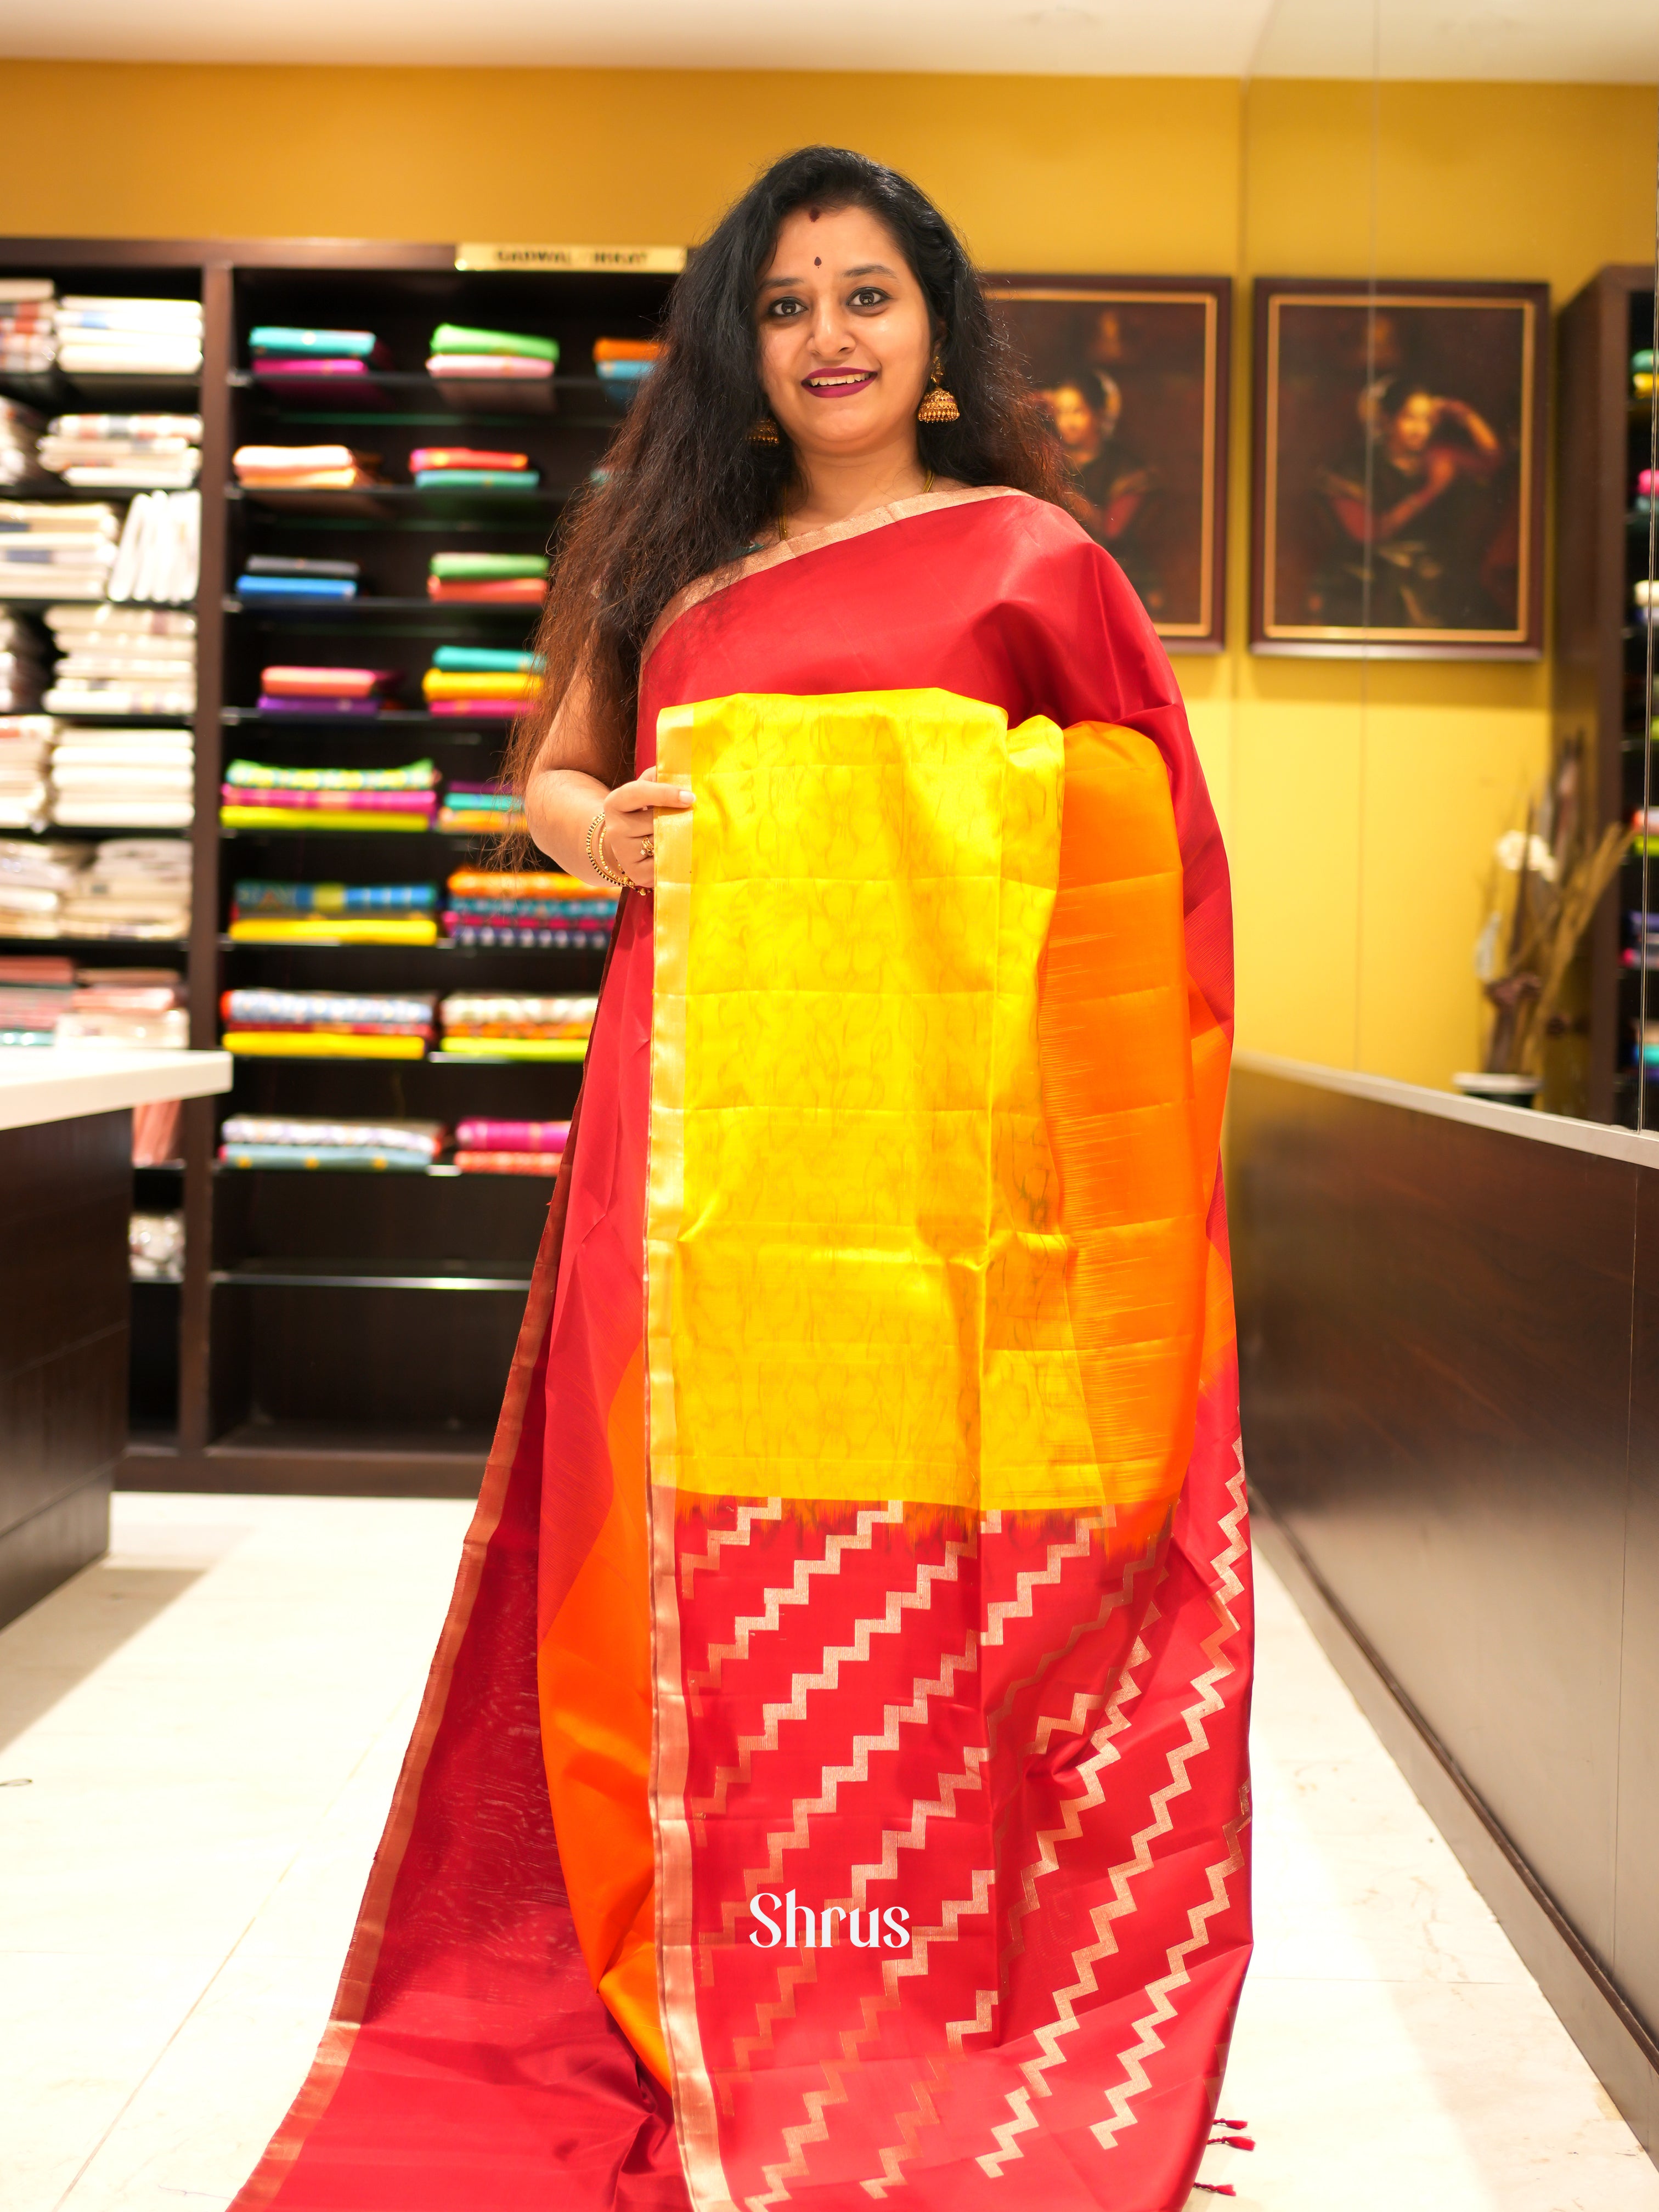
(1133, 371)
(1398, 506)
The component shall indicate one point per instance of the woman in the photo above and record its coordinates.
(1428, 524)
(1110, 485)
(832, 1777)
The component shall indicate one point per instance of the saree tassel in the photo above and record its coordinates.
(1232, 2142)
(1215, 2188)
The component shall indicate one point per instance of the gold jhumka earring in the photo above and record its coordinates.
(765, 432)
(937, 404)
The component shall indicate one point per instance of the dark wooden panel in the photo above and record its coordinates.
(365, 1358)
(1435, 1339)
(65, 1195)
(62, 1421)
(296, 1459)
(1636, 1945)
(52, 1546)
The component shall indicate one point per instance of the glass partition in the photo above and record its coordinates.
(1439, 778)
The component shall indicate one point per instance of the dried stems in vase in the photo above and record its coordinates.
(1561, 873)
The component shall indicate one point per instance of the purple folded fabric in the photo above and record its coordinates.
(304, 364)
(270, 703)
(330, 802)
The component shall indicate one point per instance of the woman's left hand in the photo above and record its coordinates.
(629, 838)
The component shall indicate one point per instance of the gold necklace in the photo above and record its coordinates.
(783, 511)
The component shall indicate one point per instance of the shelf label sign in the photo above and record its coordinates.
(648, 261)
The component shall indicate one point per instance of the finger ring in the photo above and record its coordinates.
(647, 848)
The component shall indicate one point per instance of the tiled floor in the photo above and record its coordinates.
(197, 1741)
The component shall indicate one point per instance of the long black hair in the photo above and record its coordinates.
(688, 489)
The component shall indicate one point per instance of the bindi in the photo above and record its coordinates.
(812, 215)
(818, 261)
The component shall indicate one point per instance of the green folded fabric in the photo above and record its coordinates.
(457, 567)
(451, 337)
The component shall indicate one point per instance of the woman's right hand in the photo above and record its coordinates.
(628, 839)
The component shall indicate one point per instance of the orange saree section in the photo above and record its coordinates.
(1135, 1070)
(594, 1675)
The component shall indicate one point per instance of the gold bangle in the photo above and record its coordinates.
(596, 860)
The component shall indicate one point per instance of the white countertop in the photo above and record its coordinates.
(59, 1082)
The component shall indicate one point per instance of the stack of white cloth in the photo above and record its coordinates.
(28, 325)
(143, 1008)
(23, 665)
(137, 887)
(159, 555)
(25, 751)
(121, 660)
(104, 777)
(122, 453)
(56, 552)
(20, 431)
(35, 880)
(129, 337)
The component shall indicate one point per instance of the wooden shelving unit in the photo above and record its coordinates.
(344, 1332)
(1600, 664)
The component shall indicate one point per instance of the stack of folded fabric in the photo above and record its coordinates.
(28, 325)
(304, 468)
(129, 337)
(125, 452)
(1641, 373)
(510, 1147)
(622, 365)
(141, 1007)
(137, 887)
(517, 580)
(56, 552)
(259, 798)
(1644, 945)
(121, 660)
(25, 749)
(473, 680)
(35, 879)
(510, 1025)
(285, 355)
(275, 577)
(23, 665)
(319, 691)
(20, 431)
(159, 560)
(270, 1140)
(501, 356)
(481, 809)
(35, 991)
(326, 1024)
(470, 468)
(536, 912)
(334, 914)
(105, 777)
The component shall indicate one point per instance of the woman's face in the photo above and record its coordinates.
(1415, 424)
(845, 338)
(1074, 419)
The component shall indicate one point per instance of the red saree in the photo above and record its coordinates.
(831, 1782)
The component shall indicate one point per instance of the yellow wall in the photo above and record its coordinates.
(1360, 802)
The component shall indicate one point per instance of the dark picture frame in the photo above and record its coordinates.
(1136, 370)
(1398, 469)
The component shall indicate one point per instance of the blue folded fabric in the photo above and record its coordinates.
(296, 588)
(485, 658)
(477, 479)
(329, 346)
